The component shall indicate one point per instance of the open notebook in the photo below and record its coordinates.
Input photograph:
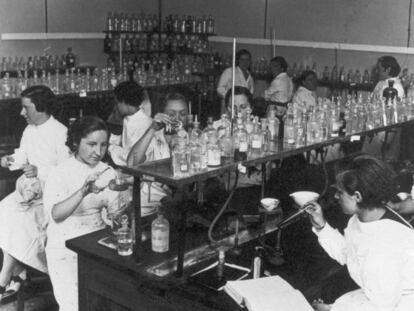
(267, 294)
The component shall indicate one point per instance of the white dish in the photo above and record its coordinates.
(403, 195)
(269, 204)
(303, 197)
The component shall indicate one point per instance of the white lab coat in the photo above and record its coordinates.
(22, 226)
(280, 89)
(225, 81)
(380, 258)
(134, 127)
(65, 180)
(303, 98)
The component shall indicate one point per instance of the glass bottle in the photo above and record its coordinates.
(265, 135)
(256, 140)
(213, 152)
(180, 159)
(70, 59)
(290, 135)
(160, 234)
(209, 130)
(241, 142)
(6, 86)
(225, 123)
(124, 238)
(195, 156)
(226, 145)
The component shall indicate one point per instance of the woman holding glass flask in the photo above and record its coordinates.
(75, 194)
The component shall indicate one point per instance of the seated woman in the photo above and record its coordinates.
(242, 103)
(75, 194)
(304, 96)
(377, 246)
(22, 221)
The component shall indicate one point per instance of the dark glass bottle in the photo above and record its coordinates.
(107, 44)
(342, 122)
(390, 93)
(70, 59)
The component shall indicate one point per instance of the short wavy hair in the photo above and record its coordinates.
(130, 92)
(41, 96)
(82, 128)
(372, 178)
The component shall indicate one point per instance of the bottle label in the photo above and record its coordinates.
(160, 241)
(183, 167)
(256, 144)
(243, 146)
(214, 157)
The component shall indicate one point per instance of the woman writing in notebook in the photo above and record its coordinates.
(377, 245)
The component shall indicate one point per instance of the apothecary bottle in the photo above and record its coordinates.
(160, 234)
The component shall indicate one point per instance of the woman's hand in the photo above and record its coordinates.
(6, 161)
(319, 305)
(316, 215)
(89, 185)
(30, 170)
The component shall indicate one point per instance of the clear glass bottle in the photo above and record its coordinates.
(224, 125)
(266, 136)
(180, 159)
(256, 141)
(160, 234)
(241, 142)
(124, 238)
(213, 152)
(195, 156)
(290, 133)
(209, 130)
(226, 145)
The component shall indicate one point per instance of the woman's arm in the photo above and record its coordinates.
(137, 153)
(62, 210)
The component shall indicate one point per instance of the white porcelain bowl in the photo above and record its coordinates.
(303, 197)
(269, 204)
(403, 195)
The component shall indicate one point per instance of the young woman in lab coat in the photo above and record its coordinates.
(75, 194)
(377, 245)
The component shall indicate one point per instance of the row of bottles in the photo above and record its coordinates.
(45, 62)
(160, 235)
(143, 42)
(198, 149)
(339, 117)
(189, 24)
(150, 23)
(195, 151)
(73, 81)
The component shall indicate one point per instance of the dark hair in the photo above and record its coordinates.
(239, 90)
(41, 96)
(130, 92)
(306, 74)
(240, 53)
(82, 128)
(390, 62)
(173, 95)
(282, 62)
(372, 178)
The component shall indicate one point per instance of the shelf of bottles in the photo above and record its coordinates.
(199, 150)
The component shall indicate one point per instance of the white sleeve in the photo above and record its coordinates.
(272, 90)
(20, 154)
(118, 154)
(251, 85)
(332, 242)
(223, 84)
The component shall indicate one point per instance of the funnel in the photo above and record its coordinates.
(303, 197)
